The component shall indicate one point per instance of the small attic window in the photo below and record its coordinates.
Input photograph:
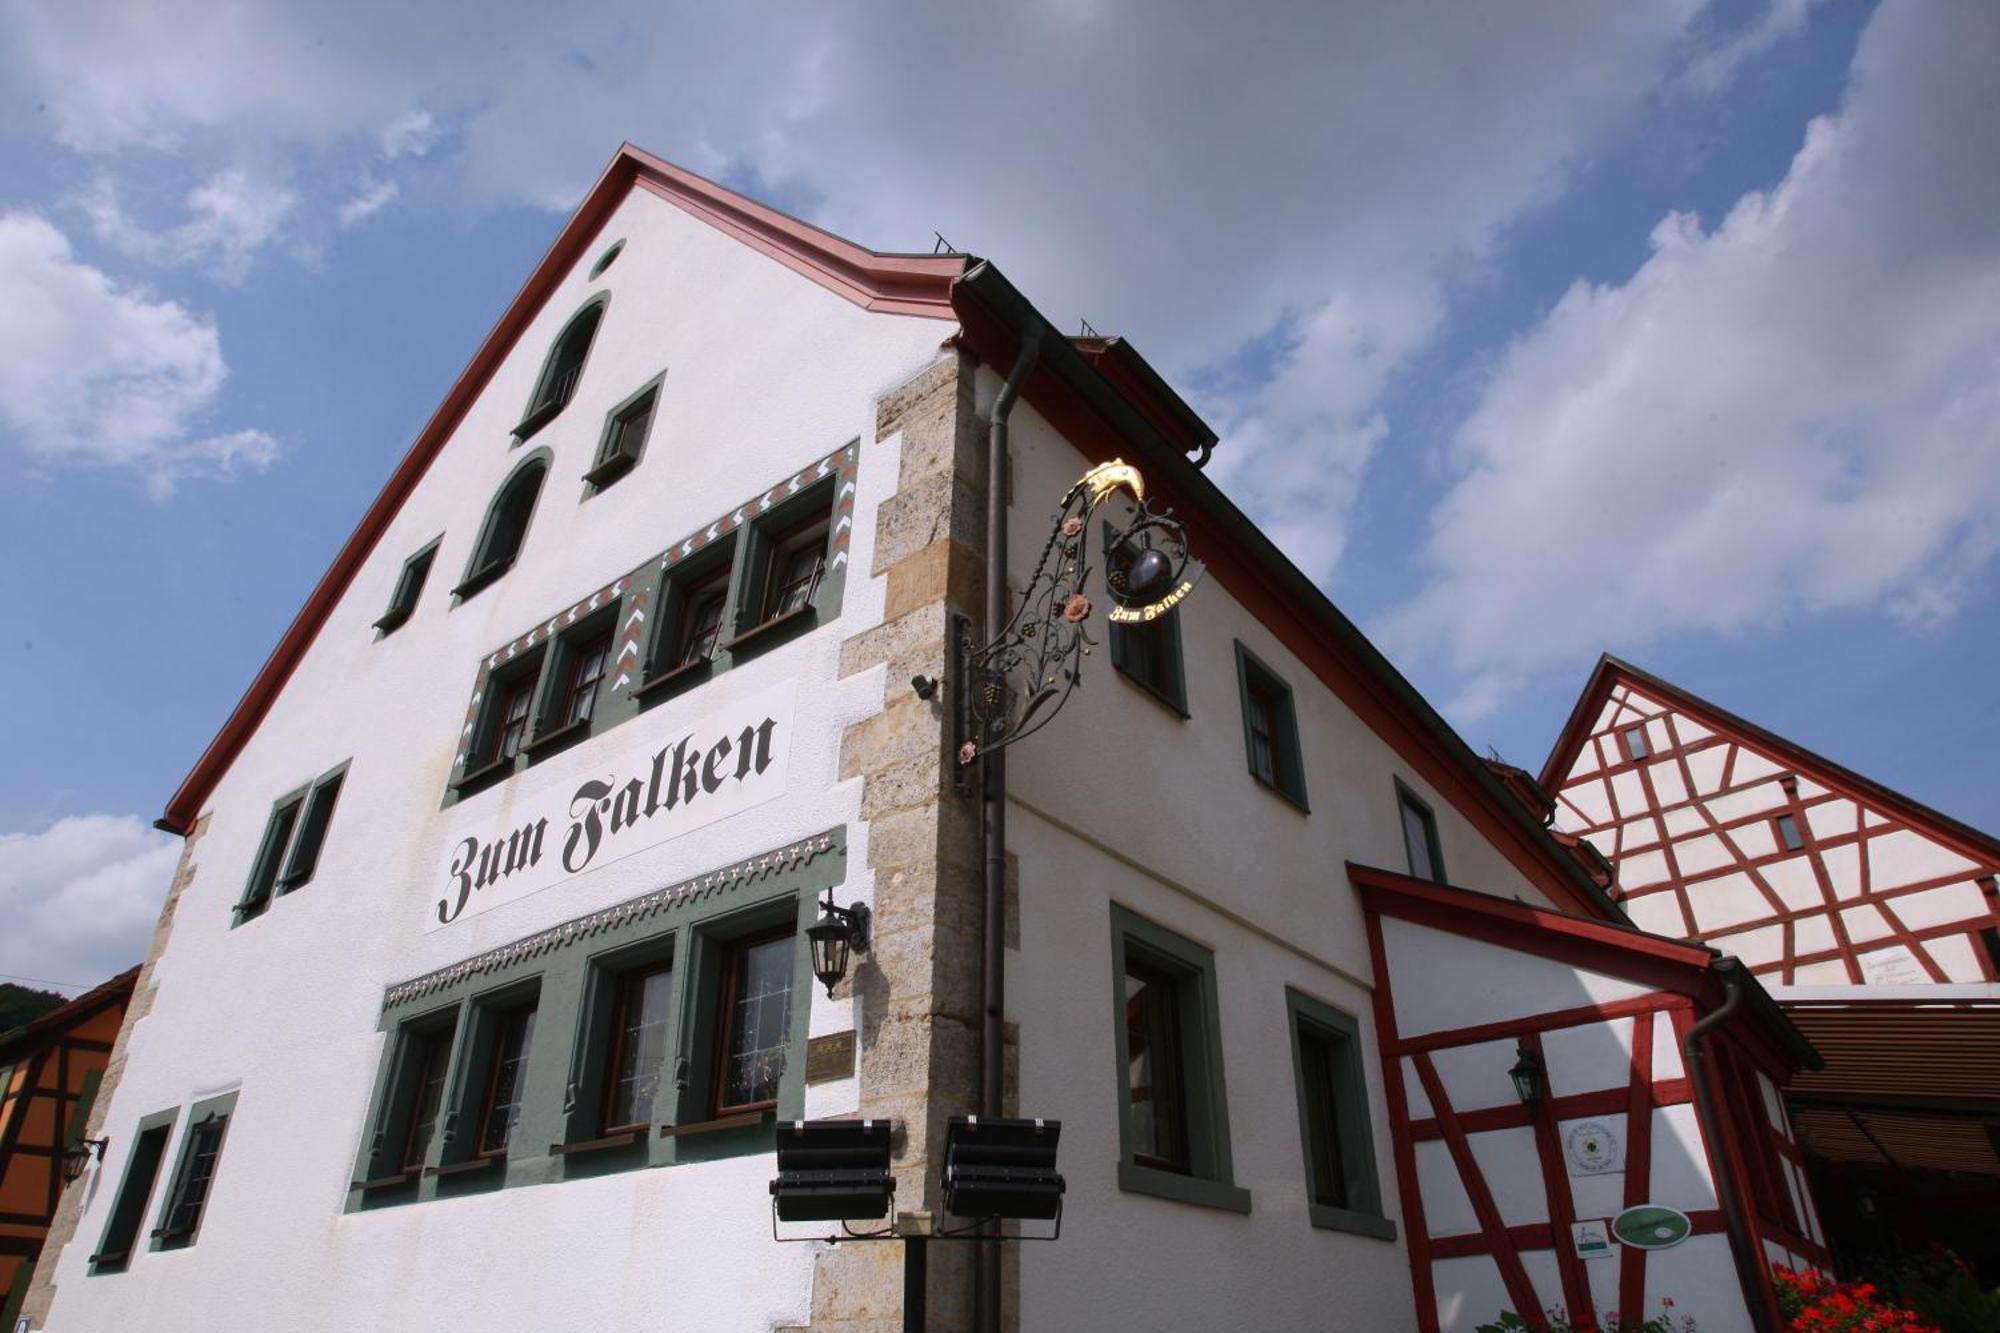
(607, 259)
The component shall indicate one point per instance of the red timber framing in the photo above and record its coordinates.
(1725, 832)
(49, 1073)
(1670, 984)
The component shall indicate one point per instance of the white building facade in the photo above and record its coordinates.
(483, 985)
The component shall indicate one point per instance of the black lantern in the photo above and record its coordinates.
(77, 1156)
(1528, 1075)
(838, 932)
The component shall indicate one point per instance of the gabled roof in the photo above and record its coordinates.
(32, 1035)
(1611, 672)
(1099, 391)
(891, 283)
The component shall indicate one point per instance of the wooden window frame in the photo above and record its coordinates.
(551, 396)
(1208, 1182)
(294, 838)
(1353, 1139)
(682, 588)
(130, 1204)
(559, 675)
(409, 588)
(503, 1019)
(801, 522)
(523, 489)
(1257, 682)
(1639, 750)
(431, 1049)
(1408, 802)
(615, 1051)
(212, 1115)
(724, 1007)
(616, 453)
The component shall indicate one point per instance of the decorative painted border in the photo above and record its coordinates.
(561, 936)
(630, 660)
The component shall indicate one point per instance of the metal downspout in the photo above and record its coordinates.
(993, 821)
(1742, 1245)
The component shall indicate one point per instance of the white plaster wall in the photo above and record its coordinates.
(1444, 981)
(766, 373)
(1132, 1260)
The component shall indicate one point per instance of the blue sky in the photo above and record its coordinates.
(1532, 332)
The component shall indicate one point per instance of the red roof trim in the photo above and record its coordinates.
(1354, 681)
(898, 284)
(1465, 912)
(1611, 671)
(118, 990)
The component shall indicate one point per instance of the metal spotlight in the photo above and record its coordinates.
(77, 1156)
(838, 932)
(1529, 1076)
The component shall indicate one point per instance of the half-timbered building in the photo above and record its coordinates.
(485, 984)
(1874, 919)
(50, 1071)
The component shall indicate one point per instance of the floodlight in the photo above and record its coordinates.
(832, 1170)
(997, 1167)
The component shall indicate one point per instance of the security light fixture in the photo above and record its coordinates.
(1529, 1076)
(77, 1156)
(838, 932)
(832, 1170)
(996, 1168)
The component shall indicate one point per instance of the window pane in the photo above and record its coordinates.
(586, 671)
(1263, 754)
(1635, 743)
(640, 1058)
(312, 832)
(270, 856)
(1417, 840)
(759, 1012)
(797, 561)
(1154, 1084)
(433, 1050)
(1319, 1060)
(1788, 833)
(701, 622)
(203, 1146)
(629, 431)
(510, 1064)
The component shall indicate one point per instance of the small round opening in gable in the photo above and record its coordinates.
(606, 259)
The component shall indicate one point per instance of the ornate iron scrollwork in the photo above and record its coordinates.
(1012, 686)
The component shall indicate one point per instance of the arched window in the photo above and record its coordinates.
(563, 368)
(506, 524)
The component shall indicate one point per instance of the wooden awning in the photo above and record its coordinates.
(1907, 1082)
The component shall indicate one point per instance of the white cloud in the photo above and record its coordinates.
(411, 134)
(230, 219)
(95, 372)
(372, 200)
(1711, 70)
(1798, 409)
(81, 897)
(1194, 179)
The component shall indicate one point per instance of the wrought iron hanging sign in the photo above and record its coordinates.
(1011, 686)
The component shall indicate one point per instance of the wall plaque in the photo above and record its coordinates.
(1593, 1149)
(830, 1057)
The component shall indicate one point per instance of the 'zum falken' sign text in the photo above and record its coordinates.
(668, 784)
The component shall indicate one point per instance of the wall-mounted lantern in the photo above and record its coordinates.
(77, 1156)
(1529, 1075)
(838, 932)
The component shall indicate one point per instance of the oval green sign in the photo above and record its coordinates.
(1651, 1226)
